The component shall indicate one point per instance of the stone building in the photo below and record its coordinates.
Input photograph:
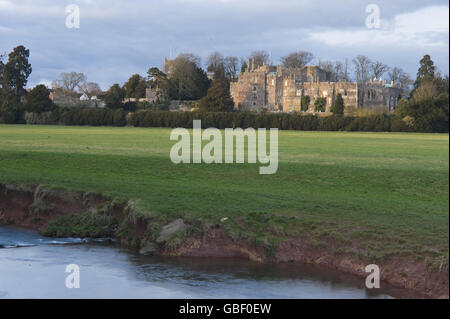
(280, 89)
(152, 95)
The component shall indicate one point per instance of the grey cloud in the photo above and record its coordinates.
(119, 38)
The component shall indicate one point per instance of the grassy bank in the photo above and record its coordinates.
(379, 194)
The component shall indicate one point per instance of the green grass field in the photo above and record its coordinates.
(386, 193)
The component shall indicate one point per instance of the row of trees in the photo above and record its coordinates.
(186, 80)
(340, 70)
(426, 109)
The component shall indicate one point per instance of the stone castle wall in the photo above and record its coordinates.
(277, 89)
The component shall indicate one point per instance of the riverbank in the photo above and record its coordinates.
(63, 213)
(341, 199)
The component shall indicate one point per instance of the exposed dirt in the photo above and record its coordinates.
(33, 207)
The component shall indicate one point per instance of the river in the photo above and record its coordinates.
(33, 266)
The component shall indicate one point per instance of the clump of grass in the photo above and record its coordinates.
(84, 225)
(318, 244)
(175, 241)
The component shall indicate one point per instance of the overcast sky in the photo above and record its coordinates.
(119, 38)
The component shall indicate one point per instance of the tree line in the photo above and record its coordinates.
(425, 109)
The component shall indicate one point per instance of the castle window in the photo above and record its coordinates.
(254, 103)
(345, 92)
(254, 88)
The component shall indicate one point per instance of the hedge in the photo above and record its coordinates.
(282, 121)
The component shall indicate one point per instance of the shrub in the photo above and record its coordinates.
(305, 101)
(338, 107)
(319, 104)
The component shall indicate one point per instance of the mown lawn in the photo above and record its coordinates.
(387, 193)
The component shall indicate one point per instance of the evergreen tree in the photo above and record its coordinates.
(319, 104)
(38, 100)
(114, 97)
(305, 101)
(188, 81)
(338, 107)
(15, 76)
(218, 98)
(135, 87)
(426, 71)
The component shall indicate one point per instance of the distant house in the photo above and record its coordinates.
(73, 99)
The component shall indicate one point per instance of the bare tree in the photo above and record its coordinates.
(362, 67)
(395, 73)
(231, 67)
(341, 71)
(90, 88)
(180, 60)
(69, 81)
(213, 61)
(328, 66)
(378, 69)
(345, 75)
(191, 57)
(406, 81)
(338, 69)
(401, 79)
(297, 59)
(260, 58)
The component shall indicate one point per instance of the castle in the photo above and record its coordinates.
(275, 88)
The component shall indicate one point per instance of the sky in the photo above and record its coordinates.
(116, 39)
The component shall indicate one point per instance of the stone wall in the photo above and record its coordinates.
(276, 88)
(378, 94)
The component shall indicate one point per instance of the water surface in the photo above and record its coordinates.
(33, 266)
